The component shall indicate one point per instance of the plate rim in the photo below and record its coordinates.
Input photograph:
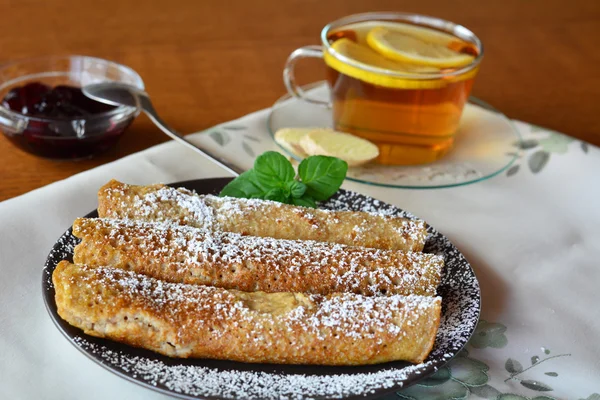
(50, 305)
(472, 100)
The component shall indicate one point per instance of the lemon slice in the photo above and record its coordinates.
(327, 142)
(289, 139)
(361, 29)
(370, 58)
(401, 46)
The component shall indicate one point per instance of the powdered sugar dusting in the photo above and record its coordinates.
(198, 381)
(198, 212)
(459, 290)
(338, 267)
(247, 216)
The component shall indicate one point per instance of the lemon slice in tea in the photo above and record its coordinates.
(403, 46)
(370, 58)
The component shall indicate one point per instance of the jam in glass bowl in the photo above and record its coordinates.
(43, 110)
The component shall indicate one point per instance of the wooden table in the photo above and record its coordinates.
(206, 62)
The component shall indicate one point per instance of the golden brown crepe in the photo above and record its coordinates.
(183, 254)
(181, 320)
(253, 217)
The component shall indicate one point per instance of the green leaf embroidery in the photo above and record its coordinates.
(556, 143)
(512, 170)
(547, 351)
(441, 376)
(551, 374)
(234, 127)
(526, 144)
(513, 366)
(322, 175)
(469, 371)
(536, 385)
(248, 149)
(244, 186)
(584, 147)
(593, 396)
(273, 170)
(252, 138)
(220, 137)
(538, 160)
(449, 390)
(534, 360)
(485, 392)
(488, 334)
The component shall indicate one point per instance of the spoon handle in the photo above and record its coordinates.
(146, 106)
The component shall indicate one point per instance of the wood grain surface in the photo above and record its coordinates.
(206, 62)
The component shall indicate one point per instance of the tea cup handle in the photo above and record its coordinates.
(289, 78)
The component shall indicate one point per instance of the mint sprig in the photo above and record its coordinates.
(273, 178)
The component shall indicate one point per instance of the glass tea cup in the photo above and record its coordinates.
(407, 102)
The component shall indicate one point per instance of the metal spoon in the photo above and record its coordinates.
(117, 94)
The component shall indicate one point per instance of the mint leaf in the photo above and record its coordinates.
(305, 201)
(273, 170)
(272, 178)
(277, 194)
(296, 189)
(322, 175)
(245, 186)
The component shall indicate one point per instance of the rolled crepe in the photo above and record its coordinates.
(180, 320)
(263, 218)
(183, 254)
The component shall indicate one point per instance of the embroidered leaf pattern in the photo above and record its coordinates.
(441, 376)
(513, 366)
(526, 144)
(536, 385)
(485, 392)
(248, 149)
(534, 360)
(551, 374)
(513, 170)
(489, 334)
(538, 160)
(593, 396)
(556, 143)
(234, 127)
(252, 138)
(584, 147)
(220, 137)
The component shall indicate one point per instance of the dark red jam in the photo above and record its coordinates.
(64, 122)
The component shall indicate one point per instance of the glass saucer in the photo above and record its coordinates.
(484, 145)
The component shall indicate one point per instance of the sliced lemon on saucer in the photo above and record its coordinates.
(327, 142)
(289, 139)
(370, 58)
(403, 46)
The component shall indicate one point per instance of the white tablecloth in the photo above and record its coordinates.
(533, 239)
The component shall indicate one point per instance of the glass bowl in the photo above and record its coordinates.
(65, 137)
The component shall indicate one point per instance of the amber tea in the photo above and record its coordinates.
(400, 84)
